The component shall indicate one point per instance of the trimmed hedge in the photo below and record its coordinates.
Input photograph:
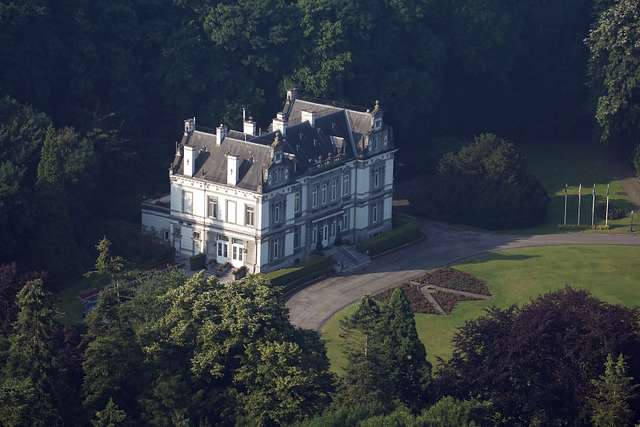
(292, 277)
(197, 262)
(405, 229)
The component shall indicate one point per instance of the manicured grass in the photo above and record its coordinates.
(586, 163)
(68, 300)
(516, 276)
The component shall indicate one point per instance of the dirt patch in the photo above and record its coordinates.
(454, 279)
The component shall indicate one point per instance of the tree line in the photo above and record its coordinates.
(93, 91)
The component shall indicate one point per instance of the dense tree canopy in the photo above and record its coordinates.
(536, 363)
(615, 74)
(484, 183)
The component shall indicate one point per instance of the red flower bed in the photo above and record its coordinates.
(454, 279)
(419, 304)
(448, 300)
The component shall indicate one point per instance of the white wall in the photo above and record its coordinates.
(388, 171)
(362, 180)
(387, 208)
(288, 244)
(362, 217)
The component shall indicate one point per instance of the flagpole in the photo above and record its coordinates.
(606, 211)
(564, 222)
(579, 200)
(593, 206)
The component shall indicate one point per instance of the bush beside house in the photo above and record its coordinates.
(405, 230)
(197, 262)
(316, 266)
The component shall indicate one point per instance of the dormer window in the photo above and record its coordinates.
(278, 156)
(377, 123)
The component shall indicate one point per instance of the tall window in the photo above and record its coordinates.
(346, 221)
(187, 201)
(314, 234)
(249, 215)
(298, 202)
(346, 184)
(296, 237)
(231, 211)
(324, 194)
(334, 188)
(276, 213)
(212, 207)
(276, 249)
(314, 196)
(374, 214)
(376, 178)
(333, 229)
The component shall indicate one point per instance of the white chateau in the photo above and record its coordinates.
(264, 199)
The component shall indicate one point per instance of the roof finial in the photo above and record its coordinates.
(376, 108)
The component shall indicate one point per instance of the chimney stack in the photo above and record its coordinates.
(250, 127)
(188, 163)
(189, 126)
(279, 124)
(292, 94)
(308, 116)
(232, 169)
(221, 133)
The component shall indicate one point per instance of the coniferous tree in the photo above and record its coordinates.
(409, 369)
(612, 396)
(366, 371)
(105, 262)
(110, 416)
(33, 370)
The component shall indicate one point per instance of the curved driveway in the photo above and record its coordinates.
(311, 307)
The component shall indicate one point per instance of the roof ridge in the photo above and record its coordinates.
(336, 106)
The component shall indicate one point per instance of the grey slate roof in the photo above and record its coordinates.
(308, 148)
(211, 160)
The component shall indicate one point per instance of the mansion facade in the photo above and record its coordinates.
(266, 199)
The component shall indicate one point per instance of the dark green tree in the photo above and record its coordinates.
(613, 395)
(33, 370)
(615, 73)
(110, 416)
(105, 262)
(365, 374)
(536, 363)
(410, 371)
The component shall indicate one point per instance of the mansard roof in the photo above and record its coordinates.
(337, 135)
(211, 159)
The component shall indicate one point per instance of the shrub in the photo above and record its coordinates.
(197, 262)
(405, 229)
(615, 212)
(485, 184)
(316, 266)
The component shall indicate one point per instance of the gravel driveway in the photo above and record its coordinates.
(311, 307)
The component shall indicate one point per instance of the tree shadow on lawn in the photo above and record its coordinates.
(495, 256)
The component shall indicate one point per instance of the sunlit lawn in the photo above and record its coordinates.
(586, 163)
(611, 273)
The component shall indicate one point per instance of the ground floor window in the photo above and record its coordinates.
(296, 237)
(346, 223)
(314, 235)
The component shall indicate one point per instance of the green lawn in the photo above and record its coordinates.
(586, 163)
(514, 277)
(68, 300)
